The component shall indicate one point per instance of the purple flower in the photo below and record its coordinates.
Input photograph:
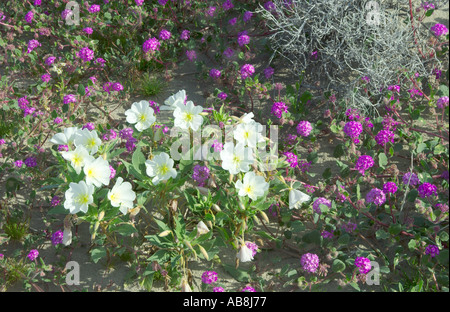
(209, 277)
(292, 159)
(100, 61)
(214, 73)
(427, 190)
(139, 2)
(326, 234)
(243, 40)
(151, 44)
(55, 201)
(211, 11)
(321, 201)
(442, 102)
(247, 70)
(222, 95)
(113, 172)
(268, 72)
(46, 77)
(162, 2)
(18, 163)
(432, 250)
(201, 174)
(94, 8)
(33, 254)
(411, 177)
(117, 86)
(269, 6)
(228, 53)
(110, 135)
(191, 55)
(227, 5)
(126, 133)
(291, 139)
(248, 289)
(349, 227)
(439, 29)
(384, 136)
(66, 14)
(363, 264)
(376, 196)
(88, 30)
(310, 262)
(63, 148)
(247, 16)
(86, 54)
(428, 6)
(304, 128)
(30, 162)
(29, 17)
(185, 35)
(253, 247)
(390, 188)
(164, 34)
(353, 129)
(278, 108)
(394, 88)
(57, 237)
(90, 126)
(37, 2)
(32, 44)
(130, 144)
(155, 106)
(217, 146)
(49, 60)
(232, 21)
(218, 289)
(2, 141)
(23, 102)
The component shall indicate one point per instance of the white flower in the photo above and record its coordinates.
(89, 139)
(79, 197)
(249, 133)
(253, 186)
(202, 228)
(141, 114)
(245, 254)
(246, 118)
(187, 116)
(78, 157)
(97, 172)
(297, 198)
(236, 158)
(65, 138)
(121, 195)
(161, 168)
(170, 102)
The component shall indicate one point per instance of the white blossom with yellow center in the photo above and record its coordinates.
(122, 195)
(187, 116)
(160, 168)
(78, 157)
(97, 172)
(236, 158)
(249, 133)
(253, 186)
(78, 197)
(141, 114)
(89, 139)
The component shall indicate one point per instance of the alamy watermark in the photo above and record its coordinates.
(73, 274)
(72, 13)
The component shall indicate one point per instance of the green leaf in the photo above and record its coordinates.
(339, 150)
(344, 239)
(412, 244)
(382, 160)
(81, 90)
(443, 90)
(338, 266)
(381, 234)
(239, 275)
(125, 229)
(412, 195)
(395, 229)
(97, 253)
(421, 147)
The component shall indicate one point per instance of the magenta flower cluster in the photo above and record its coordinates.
(376, 196)
(363, 264)
(201, 174)
(247, 70)
(304, 128)
(439, 29)
(310, 262)
(151, 44)
(353, 129)
(432, 250)
(209, 277)
(427, 189)
(321, 201)
(278, 108)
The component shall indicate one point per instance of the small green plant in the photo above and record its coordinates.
(151, 85)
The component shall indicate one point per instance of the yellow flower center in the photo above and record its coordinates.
(142, 117)
(188, 117)
(236, 159)
(246, 134)
(91, 143)
(163, 169)
(83, 199)
(77, 160)
(249, 189)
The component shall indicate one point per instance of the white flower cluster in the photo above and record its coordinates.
(83, 144)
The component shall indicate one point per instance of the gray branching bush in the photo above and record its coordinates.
(339, 42)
